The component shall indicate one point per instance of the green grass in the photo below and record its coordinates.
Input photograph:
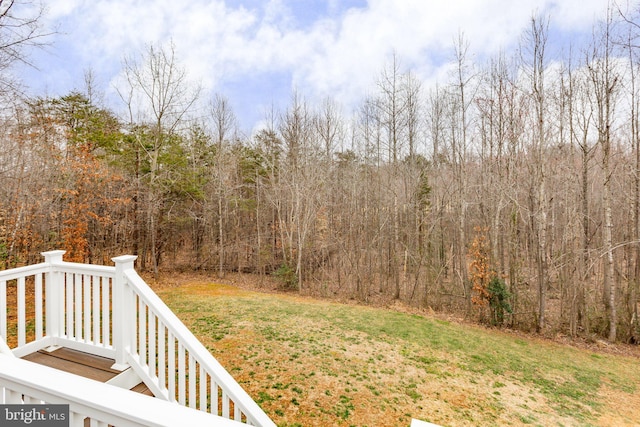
(320, 363)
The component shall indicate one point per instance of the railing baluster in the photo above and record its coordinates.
(95, 311)
(225, 404)
(142, 332)
(171, 366)
(192, 382)
(22, 325)
(3, 308)
(106, 308)
(152, 344)
(58, 306)
(38, 305)
(203, 389)
(69, 289)
(162, 349)
(12, 397)
(77, 285)
(131, 303)
(77, 420)
(86, 286)
(237, 413)
(181, 375)
(215, 390)
(55, 304)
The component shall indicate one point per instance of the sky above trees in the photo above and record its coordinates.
(256, 52)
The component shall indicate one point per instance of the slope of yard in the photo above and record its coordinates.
(317, 363)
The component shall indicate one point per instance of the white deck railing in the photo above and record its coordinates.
(112, 312)
(102, 404)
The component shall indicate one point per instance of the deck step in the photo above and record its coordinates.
(142, 389)
(89, 366)
(75, 362)
(131, 381)
(126, 379)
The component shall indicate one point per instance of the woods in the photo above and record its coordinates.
(508, 193)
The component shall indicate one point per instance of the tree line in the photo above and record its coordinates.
(509, 193)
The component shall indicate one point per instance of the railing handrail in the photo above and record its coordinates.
(76, 267)
(197, 349)
(102, 402)
(27, 270)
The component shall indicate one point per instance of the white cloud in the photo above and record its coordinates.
(57, 9)
(339, 55)
(576, 14)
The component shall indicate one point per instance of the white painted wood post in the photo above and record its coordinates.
(54, 291)
(121, 311)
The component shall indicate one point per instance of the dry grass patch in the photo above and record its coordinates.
(316, 363)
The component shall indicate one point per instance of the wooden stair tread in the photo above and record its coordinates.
(143, 389)
(80, 363)
(75, 362)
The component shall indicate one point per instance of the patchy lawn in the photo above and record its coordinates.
(317, 363)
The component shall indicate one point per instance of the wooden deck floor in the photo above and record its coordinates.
(80, 363)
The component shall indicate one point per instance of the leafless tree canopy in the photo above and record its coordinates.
(509, 193)
(20, 30)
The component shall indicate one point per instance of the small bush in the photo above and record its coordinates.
(498, 300)
(288, 276)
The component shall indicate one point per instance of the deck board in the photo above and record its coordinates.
(143, 389)
(87, 359)
(75, 362)
(80, 363)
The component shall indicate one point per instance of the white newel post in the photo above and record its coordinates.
(121, 307)
(54, 291)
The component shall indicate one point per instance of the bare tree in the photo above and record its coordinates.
(604, 79)
(157, 93)
(461, 100)
(391, 108)
(635, 142)
(435, 125)
(534, 60)
(329, 126)
(412, 89)
(575, 89)
(20, 29)
(299, 186)
(630, 42)
(224, 124)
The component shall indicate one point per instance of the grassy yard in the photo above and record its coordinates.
(318, 363)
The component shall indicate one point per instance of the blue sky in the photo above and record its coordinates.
(255, 52)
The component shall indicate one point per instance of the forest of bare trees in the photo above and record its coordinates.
(509, 193)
